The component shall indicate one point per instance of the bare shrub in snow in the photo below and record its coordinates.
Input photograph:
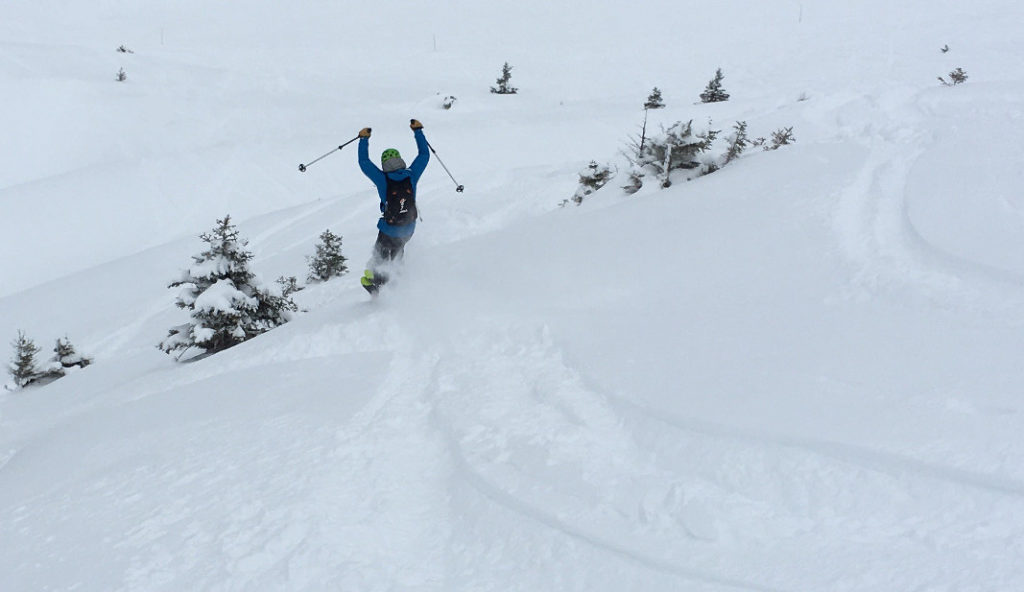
(124, 49)
(121, 75)
(228, 303)
(635, 144)
(504, 87)
(956, 77)
(328, 261)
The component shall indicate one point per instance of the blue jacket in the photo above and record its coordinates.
(377, 176)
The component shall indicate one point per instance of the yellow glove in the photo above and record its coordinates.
(415, 124)
(364, 133)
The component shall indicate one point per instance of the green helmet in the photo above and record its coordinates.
(389, 154)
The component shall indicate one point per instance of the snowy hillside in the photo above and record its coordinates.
(799, 373)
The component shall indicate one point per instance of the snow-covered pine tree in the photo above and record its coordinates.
(66, 356)
(328, 261)
(714, 93)
(654, 100)
(708, 163)
(503, 87)
(677, 148)
(23, 366)
(227, 301)
(636, 180)
(592, 178)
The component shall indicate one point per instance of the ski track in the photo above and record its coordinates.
(309, 215)
(495, 392)
(524, 509)
(557, 420)
(302, 525)
(873, 226)
(544, 406)
(897, 466)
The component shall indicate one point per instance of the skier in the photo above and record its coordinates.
(396, 185)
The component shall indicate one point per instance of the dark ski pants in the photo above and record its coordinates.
(388, 248)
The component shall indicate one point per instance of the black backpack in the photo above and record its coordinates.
(400, 207)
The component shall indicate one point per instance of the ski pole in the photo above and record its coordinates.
(458, 188)
(302, 167)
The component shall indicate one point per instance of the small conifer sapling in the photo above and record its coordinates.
(504, 87)
(328, 261)
(23, 366)
(781, 137)
(592, 178)
(66, 356)
(956, 77)
(708, 138)
(714, 93)
(289, 285)
(654, 100)
(737, 142)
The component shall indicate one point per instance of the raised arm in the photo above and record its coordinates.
(423, 150)
(365, 164)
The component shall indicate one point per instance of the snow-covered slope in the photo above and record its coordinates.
(798, 373)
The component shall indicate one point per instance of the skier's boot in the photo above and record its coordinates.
(372, 282)
(367, 282)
